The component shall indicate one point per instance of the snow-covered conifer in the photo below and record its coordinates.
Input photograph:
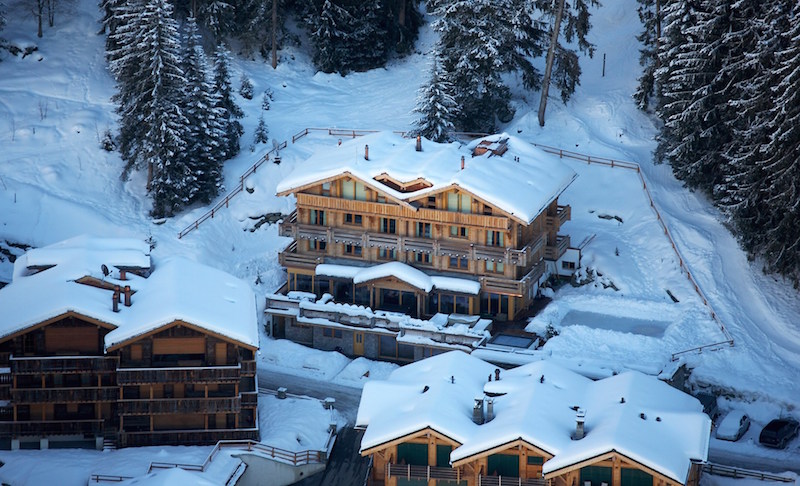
(224, 100)
(246, 87)
(436, 107)
(261, 134)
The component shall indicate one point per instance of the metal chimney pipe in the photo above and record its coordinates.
(115, 299)
(366, 152)
(127, 296)
(419, 143)
(580, 416)
(489, 409)
(462, 162)
(477, 411)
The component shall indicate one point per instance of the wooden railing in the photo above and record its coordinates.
(555, 252)
(394, 210)
(290, 258)
(563, 214)
(72, 364)
(427, 473)
(249, 368)
(509, 481)
(50, 427)
(735, 472)
(185, 437)
(249, 399)
(179, 405)
(436, 247)
(211, 374)
(224, 202)
(65, 395)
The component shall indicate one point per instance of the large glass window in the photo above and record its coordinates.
(443, 455)
(459, 232)
(355, 219)
(635, 477)
(459, 263)
(354, 190)
(318, 217)
(503, 465)
(303, 283)
(423, 230)
(494, 267)
(413, 454)
(597, 475)
(494, 238)
(462, 304)
(459, 202)
(388, 347)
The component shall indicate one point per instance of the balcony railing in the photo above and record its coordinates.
(509, 481)
(249, 399)
(180, 405)
(563, 214)
(422, 472)
(445, 247)
(50, 427)
(65, 395)
(554, 252)
(196, 375)
(186, 437)
(72, 364)
(249, 368)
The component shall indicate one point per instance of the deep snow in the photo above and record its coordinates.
(56, 183)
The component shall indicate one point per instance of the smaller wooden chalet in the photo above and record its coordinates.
(454, 418)
(420, 229)
(101, 346)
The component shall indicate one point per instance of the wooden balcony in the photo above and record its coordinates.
(64, 395)
(196, 375)
(509, 481)
(554, 221)
(51, 427)
(554, 252)
(290, 258)
(402, 212)
(72, 364)
(436, 247)
(503, 286)
(249, 400)
(249, 368)
(186, 437)
(422, 472)
(180, 405)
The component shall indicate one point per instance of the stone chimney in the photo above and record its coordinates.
(477, 411)
(115, 299)
(419, 143)
(497, 374)
(366, 152)
(462, 162)
(580, 416)
(127, 296)
(489, 409)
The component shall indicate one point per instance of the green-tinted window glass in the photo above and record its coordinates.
(635, 477)
(414, 454)
(503, 465)
(443, 455)
(597, 475)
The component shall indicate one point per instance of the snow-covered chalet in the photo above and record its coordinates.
(455, 419)
(101, 348)
(405, 248)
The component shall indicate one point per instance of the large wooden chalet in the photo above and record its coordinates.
(536, 425)
(98, 346)
(418, 228)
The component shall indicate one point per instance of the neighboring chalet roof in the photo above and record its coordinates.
(45, 286)
(656, 425)
(401, 271)
(522, 181)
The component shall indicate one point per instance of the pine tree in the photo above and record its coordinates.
(246, 87)
(562, 66)
(436, 107)
(206, 146)
(153, 127)
(266, 99)
(328, 37)
(650, 16)
(261, 134)
(480, 41)
(231, 113)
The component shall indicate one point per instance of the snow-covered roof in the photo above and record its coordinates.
(522, 182)
(656, 425)
(408, 274)
(177, 289)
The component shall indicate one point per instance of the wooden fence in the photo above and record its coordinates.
(735, 472)
(295, 458)
(226, 200)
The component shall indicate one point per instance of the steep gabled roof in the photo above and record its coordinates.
(655, 425)
(522, 181)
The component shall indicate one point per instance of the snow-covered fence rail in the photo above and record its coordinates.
(681, 262)
(226, 200)
(735, 472)
(295, 458)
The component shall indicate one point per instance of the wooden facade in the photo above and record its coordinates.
(178, 384)
(423, 458)
(450, 232)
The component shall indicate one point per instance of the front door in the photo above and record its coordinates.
(358, 343)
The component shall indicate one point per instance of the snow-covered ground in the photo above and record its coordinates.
(56, 182)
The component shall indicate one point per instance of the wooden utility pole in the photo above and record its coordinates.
(274, 34)
(548, 69)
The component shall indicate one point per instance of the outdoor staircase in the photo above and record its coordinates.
(110, 443)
